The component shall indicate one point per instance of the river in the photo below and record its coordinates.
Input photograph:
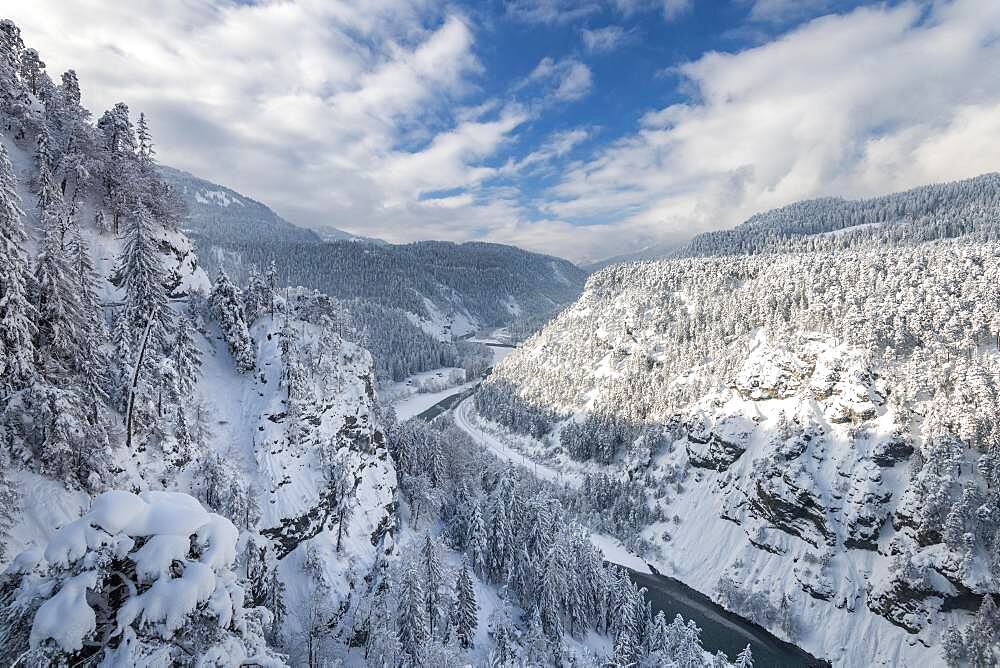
(720, 629)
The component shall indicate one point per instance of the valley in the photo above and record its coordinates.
(380, 424)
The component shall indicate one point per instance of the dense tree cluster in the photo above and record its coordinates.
(513, 532)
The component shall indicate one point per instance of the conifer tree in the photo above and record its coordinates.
(412, 622)
(227, 306)
(953, 647)
(142, 276)
(32, 69)
(744, 659)
(11, 47)
(56, 299)
(91, 362)
(9, 509)
(186, 356)
(476, 540)
(276, 604)
(466, 608)
(17, 314)
(433, 575)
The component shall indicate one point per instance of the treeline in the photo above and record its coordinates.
(512, 532)
(939, 211)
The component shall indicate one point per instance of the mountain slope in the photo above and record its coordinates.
(822, 427)
(218, 214)
(937, 211)
(450, 289)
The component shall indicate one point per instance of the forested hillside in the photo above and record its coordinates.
(409, 305)
(938, 211)
(459, 286)
(451, 289)
(820, 426)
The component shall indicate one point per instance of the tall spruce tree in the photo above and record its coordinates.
(466, 608)
(186, 356)
(17, 314)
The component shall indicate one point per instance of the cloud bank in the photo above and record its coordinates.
(372, 115)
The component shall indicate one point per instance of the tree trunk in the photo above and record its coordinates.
(135, 381)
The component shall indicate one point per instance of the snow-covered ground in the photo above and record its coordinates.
(415, 404)
(444, 326)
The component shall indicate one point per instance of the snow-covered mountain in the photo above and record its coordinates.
(814, 435)
(937, 211)
(450, 290)
(217, 214)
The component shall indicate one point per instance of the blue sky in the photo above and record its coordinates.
(583, 128)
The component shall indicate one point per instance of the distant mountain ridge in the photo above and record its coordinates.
(936, 211)
(217, 213)
(451, 289)
(925, 213)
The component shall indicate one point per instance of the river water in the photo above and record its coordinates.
(720, 629)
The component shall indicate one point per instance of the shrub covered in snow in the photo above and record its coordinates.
(140, 580)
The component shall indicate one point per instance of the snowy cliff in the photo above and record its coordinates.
(815, 433)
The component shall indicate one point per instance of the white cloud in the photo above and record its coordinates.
(367, 115)
(558, 145)
(671, 9)
(568, 11)
(551, 11)
(567, 79)
(336, 112)
(605, 39)
(865, 103)
(779, 11)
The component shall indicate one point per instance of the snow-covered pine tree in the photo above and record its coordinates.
(144, 148)
(56, 296)
(184, 443)
(141, 275)
(504, 651)
(953, 647)
(412, 620)
(11, 48)
(259, 295)
(32, 69)
(119, 146)
(91, 362)
(227, 306)
(982, 635)
(186, 356)
(477, 547)
(466, 608)
(276, 604)
(102, 595)
(17, 314)
(123, 361)
(432, 573)
(627, 649)
(9, 509)
(744, 659)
